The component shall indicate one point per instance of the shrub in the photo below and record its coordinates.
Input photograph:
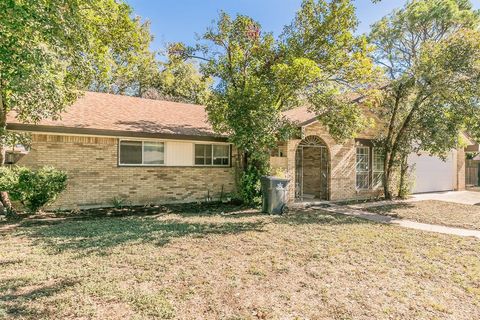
(118, 203)
(250, 186)
(8, 179)
(33, 188)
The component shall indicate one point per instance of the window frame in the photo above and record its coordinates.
(372, 152)
(120, 164)
(204, 154)
(376, 187)
(368, 171)
(229, 157)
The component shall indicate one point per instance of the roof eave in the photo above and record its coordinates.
(110, 133)
(307, 122)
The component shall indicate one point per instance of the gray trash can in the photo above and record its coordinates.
(274, 194)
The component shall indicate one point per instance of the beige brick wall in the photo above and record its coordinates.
(95, 179)
(342, 166)
(460, 169)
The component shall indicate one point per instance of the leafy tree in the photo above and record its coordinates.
(315, 61)
(131, 71)
(180, 81)
(139, 73)
(430, 53)
(52, 50)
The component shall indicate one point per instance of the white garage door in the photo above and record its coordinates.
(432, 173)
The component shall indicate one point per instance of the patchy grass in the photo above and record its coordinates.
(245, 266)
(435, 212)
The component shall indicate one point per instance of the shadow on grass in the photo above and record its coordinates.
(4, 263)
(15, 295)
(97, 234)
(231, 209)
(388, 210)
(87, 234)
(320, 217)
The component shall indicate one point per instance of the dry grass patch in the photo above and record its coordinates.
(435, 212)
(310, 265)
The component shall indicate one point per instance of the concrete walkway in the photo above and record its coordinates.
(462, 197)
(400, 222)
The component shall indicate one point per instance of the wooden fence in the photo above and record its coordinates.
(471, 172)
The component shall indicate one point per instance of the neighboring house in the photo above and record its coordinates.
(150, 151)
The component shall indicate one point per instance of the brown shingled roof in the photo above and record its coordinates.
(109, 114)
(117, 115)
(303, 116)
(300, 115)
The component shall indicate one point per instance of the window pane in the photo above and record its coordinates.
(362, 167)
(221, 155)
(203, 154)
(362, 159)
(153, 153)
(377, 180)
(220, 151)
(208, 154)
(220, 161)
(362, 180)
(377, 160)
(200, 150)
(130, 152)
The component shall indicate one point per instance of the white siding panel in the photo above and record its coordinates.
(179, 153)
(432, 173)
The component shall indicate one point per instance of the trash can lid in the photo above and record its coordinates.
(274, 178)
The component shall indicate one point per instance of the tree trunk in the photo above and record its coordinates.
(389, 165)
(386, 176)
(394, 145)
(403, 175)
(388, 158)
(4, 199)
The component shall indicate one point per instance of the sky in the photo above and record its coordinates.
(180, 20)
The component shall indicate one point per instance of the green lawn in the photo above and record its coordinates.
(191, 266)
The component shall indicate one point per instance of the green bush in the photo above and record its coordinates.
(33, 188)
(250, 187)
(8, 179)
(118, 203)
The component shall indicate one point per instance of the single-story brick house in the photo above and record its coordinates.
(151, 151)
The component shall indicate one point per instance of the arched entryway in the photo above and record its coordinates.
(312, 166)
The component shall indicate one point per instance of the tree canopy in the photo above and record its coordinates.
(430, 53)
(314, 62)
(180, 81)
(53, 50)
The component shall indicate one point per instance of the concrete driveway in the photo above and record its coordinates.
(463, 197)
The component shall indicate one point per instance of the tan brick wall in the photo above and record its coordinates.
(342, 166)
(460, 169)
(95, 179)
